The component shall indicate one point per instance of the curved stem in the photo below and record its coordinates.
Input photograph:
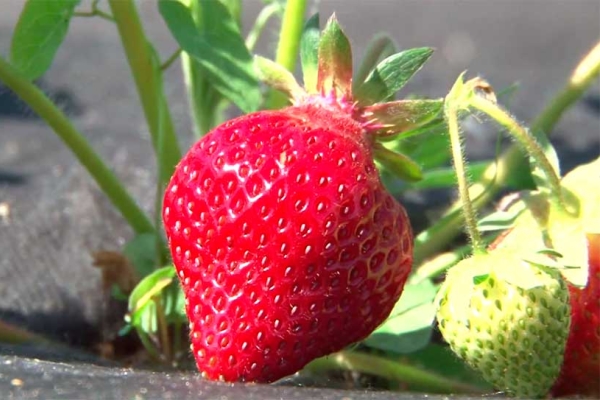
(511, 162)
(261, 21)
(451, 114)
(525, 139)
(80, 147)
(172, 58)
(391, 370)
(146, 74)
(583, 76)
(289, 44)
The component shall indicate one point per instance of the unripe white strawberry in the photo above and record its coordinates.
(508, 319)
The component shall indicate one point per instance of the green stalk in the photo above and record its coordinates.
(80, 147)
(289, 45)
(510, 163)
(451, 114)
(391, 370)
(13, 334)
(163, 330)
(261, 21)
(144, 69)
(583, 76)
(525, 139)
(148, 345)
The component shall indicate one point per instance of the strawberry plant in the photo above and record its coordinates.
(279, 242)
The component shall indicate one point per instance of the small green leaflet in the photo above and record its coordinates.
(499, 220)
(277, 77)
(379, 48)
(391, 75)
(335, 61)
(446, 177)
(309, 53)
(39, 33)
(142, 308)
(518, 273)
(408, 328)
(397, 164)
(218, 48)
(479, 279)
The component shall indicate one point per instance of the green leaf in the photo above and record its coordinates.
(519, 273)
(174, 304)
(428, 145)
(409, 326)
(277, 77)
(583, 183)
(218, 48)
(479, 279)
(335, 61)
(397, 164)
(142, 309)
(499, 220)
(551, 253)
(445, 177)
(39, 33)
(141, 252)
(391, 75)
(309, 53)
(205, 102)
(542, 225)
(398, 116)
(379, 48)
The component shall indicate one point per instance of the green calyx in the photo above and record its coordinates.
(326, 58)
(542, 226)
(508, 319)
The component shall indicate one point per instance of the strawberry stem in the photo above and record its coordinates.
(288, 46)
(10, 333)
(261, 21)
(525, 139)
(78, 144)
(163, 329)
(511, 162)
(148, 80)
(416, 378)
(582, 77)
(451, 106)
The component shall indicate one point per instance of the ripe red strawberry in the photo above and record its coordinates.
(287, 245)
(580, 373)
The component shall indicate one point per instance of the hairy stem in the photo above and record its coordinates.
(525, 139)
(511, 162)
(78, 144)
(289, 44)
(451, 114)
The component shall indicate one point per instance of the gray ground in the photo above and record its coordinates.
(58, 216)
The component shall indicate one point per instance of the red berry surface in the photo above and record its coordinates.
(580, 373)
(287, 245)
